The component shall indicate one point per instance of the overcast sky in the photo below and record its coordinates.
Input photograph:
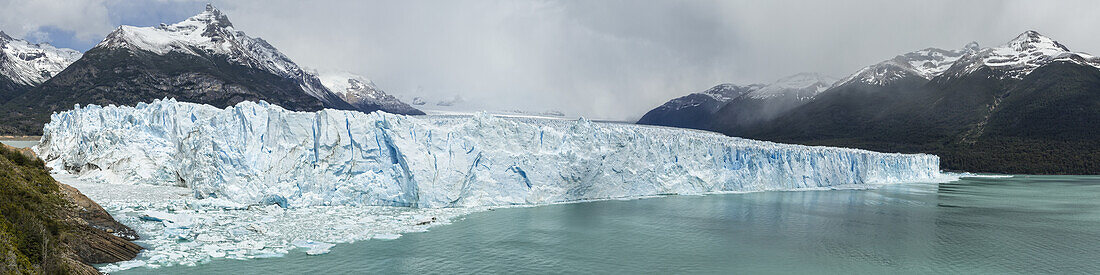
(597, 58)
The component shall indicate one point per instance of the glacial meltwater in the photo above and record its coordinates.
(1023, 224)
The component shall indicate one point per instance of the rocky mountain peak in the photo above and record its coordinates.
(362, 93)
(214, 20)
(1032, 41)
(971, 47)
(31, 64)
(1020, 56)
(926, 63)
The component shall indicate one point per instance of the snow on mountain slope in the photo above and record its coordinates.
(455, 104)
(803, 86)
(258, 153)
(211, 33)
(31, 64)
(926, 63)
(716, 96)
(1020, 56)
(726, 92)
(362, 93)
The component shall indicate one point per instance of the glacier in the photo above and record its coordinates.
(258, 153)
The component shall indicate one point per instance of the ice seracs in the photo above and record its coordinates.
(258, 153)
(31, 64)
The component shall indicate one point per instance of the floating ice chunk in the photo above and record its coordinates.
(250, 244)
(314, 248)
(169, 219)
(220, 203)
(178, 233)
(386, 236)
(120, 266)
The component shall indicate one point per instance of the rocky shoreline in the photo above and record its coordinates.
(74, 231)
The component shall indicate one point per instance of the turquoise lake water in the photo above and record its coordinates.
(20, 143)
(1024, 224)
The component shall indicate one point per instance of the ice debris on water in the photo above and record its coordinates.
(314, 248)
(178, 229)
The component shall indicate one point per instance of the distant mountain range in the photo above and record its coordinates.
(1028, 106)
(361, 93)
(742, 106)
(203, 59)
(434, 103)
(24, 65)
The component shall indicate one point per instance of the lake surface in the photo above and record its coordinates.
(20, 143)
(1024, 224)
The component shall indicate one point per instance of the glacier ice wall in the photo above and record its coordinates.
(260, 153)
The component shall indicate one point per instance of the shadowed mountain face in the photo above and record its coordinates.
(739, 105)
(1029, 106)
(9, 89)
(761, 106)
(126, 77)
(696, 110)
(203, 59)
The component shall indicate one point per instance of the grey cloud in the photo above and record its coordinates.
(86, 19)
(616, 59)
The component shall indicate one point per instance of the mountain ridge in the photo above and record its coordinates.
(987, 111)
(24, 65)
(201, 59)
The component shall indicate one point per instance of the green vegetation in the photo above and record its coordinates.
(32, 234)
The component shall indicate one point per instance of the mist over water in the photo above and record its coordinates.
(1024, 224)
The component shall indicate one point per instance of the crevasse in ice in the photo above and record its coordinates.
(258, 153)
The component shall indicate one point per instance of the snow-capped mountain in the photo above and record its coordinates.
(203, 59)
(725, 92)
(1020, 57)
(748, 103)
(926, 64)
(696, 110)
(983, 110)
(31, 64)
(458, 104)
(211, 33)
(363, 94)
(719, 95)
(803, 86)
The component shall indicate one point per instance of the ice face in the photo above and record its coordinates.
(258, 153)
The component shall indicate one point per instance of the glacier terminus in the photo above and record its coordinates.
(259, 153)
